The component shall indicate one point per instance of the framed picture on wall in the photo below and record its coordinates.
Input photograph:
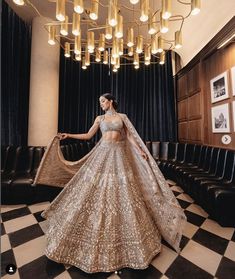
(233, 79)
(219, 88)
(234, 116)
(220, 119)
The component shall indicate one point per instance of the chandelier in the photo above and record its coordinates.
(117, 40)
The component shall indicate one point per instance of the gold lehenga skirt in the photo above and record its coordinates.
(100, 222)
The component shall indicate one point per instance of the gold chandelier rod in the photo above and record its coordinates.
(89, 16)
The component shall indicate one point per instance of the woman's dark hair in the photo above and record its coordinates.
(111, 97)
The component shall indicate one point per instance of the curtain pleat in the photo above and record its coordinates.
(15, 59)
(146, 95)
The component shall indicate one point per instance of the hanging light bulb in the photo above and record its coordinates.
(64, 27)
(162, 58)
(130, 37)
(114, 69)
(147, 53)
(87, 58)
(166, 9)
(94, 9)
(78, 57)
(178, 39)
(76, 24)
(90, 41)
(130, 51)
(120, 47)
(108, 31)
(139, 44)
(147, 62)
(101, 46)
(152, 25)
(19, 2)
(112, 13)
(134, 1)
(136, 58)
(154, 44)
(115, 48)
(51, 34)
(60, 10)
(119, 27)
(160, 44)
(78, 6)
(105, 57)
(137, 66)
(163, 24)
(113, 59)
(195, 7)
(97, 55)
(135, 42)
(67, 49)
(77, 45)
(144, 7)
(84, 63)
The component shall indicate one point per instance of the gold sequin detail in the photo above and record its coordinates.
(114, 209)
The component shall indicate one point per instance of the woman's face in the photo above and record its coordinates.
(105, 104)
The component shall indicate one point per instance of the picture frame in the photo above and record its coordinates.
(233, 104)
(220, 119)
(233, 80)
(219, 88)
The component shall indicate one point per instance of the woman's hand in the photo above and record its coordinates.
(62, 136)
(144, 155)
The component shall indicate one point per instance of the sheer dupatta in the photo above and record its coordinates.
(161, 201)
(54, 170)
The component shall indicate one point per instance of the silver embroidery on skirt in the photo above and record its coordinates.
(114, 207)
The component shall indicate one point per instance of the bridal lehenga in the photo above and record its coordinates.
(114, 208)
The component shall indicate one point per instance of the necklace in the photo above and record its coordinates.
(110, 112)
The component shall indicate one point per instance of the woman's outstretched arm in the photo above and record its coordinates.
(85, 136)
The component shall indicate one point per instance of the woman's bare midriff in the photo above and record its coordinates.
(112, 136)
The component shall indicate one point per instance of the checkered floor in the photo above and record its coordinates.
(208, 250)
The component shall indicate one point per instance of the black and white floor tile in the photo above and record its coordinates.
(208, 250)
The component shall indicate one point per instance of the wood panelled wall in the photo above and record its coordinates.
(221, 61)
(194, 99)
(190, 106)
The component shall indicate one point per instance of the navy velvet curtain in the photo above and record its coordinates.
(15, 64)
(145, 95)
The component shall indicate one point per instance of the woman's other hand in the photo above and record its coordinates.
(62, 136)
(144, 155)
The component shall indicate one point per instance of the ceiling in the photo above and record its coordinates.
(197, 30)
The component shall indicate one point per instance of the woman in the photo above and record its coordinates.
(116, 204)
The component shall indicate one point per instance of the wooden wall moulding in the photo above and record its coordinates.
(183, 131)
(194, 107)
(193, 80)
(182, 88)
(182, 110)
(195, 130)
(194, 98)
